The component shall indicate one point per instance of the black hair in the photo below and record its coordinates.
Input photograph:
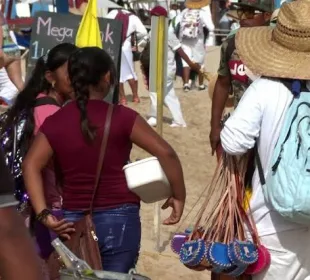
(86, 68)
(37, 83)
(145, 61)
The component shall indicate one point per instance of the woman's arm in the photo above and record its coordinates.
(146, 138)
(36, 160)
(38, 156)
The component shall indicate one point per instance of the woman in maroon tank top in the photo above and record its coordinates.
(73, 136)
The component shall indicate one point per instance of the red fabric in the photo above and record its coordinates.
(78, 160)
(159, 11)
(124, 18)
(237, 71)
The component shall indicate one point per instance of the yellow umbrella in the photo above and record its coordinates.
(88, 34)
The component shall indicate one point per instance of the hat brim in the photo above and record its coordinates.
(196, 4)
(245, 5)
(264, 57)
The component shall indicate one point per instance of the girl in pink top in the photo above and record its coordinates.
(48, 83)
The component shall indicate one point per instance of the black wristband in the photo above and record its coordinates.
(42, 215)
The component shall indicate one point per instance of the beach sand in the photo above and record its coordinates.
(192, 146)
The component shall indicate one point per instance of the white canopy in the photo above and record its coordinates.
(101, 3)
(23, 9)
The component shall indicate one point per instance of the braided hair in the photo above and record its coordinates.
(86, 67)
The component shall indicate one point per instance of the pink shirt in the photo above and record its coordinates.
(52, 193)
(42, 112)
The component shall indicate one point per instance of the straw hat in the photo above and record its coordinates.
(282, 51)
(274, 16)
(196, 4)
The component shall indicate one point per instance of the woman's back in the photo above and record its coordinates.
(78, 158)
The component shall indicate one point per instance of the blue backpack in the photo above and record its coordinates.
(287, 187)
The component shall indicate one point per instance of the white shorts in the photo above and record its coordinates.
(193, 54)
(290, 256)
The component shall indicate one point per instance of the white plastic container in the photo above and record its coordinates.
(147, 179)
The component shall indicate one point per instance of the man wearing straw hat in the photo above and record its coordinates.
(232, 75)
(281, 56)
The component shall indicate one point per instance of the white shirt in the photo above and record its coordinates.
(260, 114)
(134, 25)
(173, 44)
(172, 14)
(198, 44)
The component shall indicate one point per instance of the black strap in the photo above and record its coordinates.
(259, 166)
(46, 101)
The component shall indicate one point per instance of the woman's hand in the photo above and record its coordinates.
(62, 227)
(177, 210)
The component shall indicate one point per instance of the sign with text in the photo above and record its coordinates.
(50, 29)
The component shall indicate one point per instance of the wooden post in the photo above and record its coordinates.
(158, 84)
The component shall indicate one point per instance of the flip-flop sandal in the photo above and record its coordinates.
(136, 100)
(122, 101)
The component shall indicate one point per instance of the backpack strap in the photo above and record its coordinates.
(124, 18)
(259, 166)
(47, 100)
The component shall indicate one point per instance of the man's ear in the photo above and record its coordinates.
(49, 77)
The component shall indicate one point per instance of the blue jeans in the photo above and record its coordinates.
(119, 233)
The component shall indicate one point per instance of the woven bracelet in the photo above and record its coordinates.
(42, 215)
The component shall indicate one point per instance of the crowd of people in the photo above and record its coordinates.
(52, 136)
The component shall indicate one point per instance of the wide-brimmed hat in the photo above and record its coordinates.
(274, 16)
(282, 51)
(196, 4)
(261, 5)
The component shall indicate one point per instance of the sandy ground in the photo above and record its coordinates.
(192, 146)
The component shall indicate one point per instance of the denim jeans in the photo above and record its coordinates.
(119, 233)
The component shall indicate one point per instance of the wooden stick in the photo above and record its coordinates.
(161, 64)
